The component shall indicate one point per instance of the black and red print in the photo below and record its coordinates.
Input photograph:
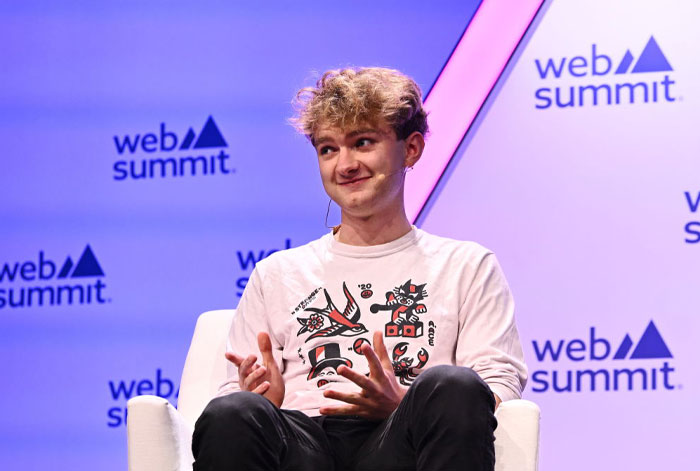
(403, 302)
(325, 360)
(345, 323)
(404, 369)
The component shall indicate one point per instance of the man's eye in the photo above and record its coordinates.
(325, 150)
(363, 142)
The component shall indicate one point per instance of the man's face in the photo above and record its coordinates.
(362, 168)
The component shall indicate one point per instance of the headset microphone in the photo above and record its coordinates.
(382, 176)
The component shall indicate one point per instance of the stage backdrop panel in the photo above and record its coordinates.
(583, 178)
(148, 165)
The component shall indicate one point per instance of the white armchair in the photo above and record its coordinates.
(160, 436)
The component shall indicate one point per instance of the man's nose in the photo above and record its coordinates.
(347, 162)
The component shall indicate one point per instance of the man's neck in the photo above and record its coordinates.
(373, 230)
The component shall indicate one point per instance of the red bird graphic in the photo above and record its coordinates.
(341, 324)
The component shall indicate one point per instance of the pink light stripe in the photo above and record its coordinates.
(461, 89)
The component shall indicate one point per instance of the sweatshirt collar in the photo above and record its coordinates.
(361, 251)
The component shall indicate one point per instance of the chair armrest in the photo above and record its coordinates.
(517, 436)
(159, 439)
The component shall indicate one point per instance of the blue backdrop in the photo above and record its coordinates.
(97, 102)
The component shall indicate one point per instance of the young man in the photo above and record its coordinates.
(444, 347)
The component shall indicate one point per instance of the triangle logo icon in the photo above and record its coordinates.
(652, 59)
(210, 136)
(187, 141)
(624, 348)
(87, 265)
(65, 269)
(651, 345)
(625, 63)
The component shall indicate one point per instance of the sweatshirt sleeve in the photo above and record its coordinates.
(488, 340)
(251, 318)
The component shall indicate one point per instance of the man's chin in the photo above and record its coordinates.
(359, 205)
(353, 202)
(358, 211)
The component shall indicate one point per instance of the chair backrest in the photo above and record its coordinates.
(205, 366)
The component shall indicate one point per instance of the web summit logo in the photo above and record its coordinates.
(647, 376)
(616, 88)
(83, 282)
(164, 143)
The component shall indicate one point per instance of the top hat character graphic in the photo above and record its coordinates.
(326, 356)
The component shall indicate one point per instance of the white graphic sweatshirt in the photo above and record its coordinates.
(437, 301)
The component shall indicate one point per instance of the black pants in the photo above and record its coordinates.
(445, 422)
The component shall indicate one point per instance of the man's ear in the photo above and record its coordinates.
(415, 143)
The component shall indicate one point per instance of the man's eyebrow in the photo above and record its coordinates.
(320, 140)
(362, 131)
(323, 139)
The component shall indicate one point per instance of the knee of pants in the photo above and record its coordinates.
(446, 385)
(238, 409)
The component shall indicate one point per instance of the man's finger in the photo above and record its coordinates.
(233, 358)
(253, 378)
(375, 367)
(380, 348)
(340, 410)
(350, 398)
(357, 378)
(244, 368)
(265, 346)
(262, 388)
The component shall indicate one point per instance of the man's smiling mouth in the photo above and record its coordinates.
(354, 181)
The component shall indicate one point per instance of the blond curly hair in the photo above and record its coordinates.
(347, 98)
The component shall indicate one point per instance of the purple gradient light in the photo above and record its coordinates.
(462, 87)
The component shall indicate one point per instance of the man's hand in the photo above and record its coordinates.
(265, 379)
(381, 393)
